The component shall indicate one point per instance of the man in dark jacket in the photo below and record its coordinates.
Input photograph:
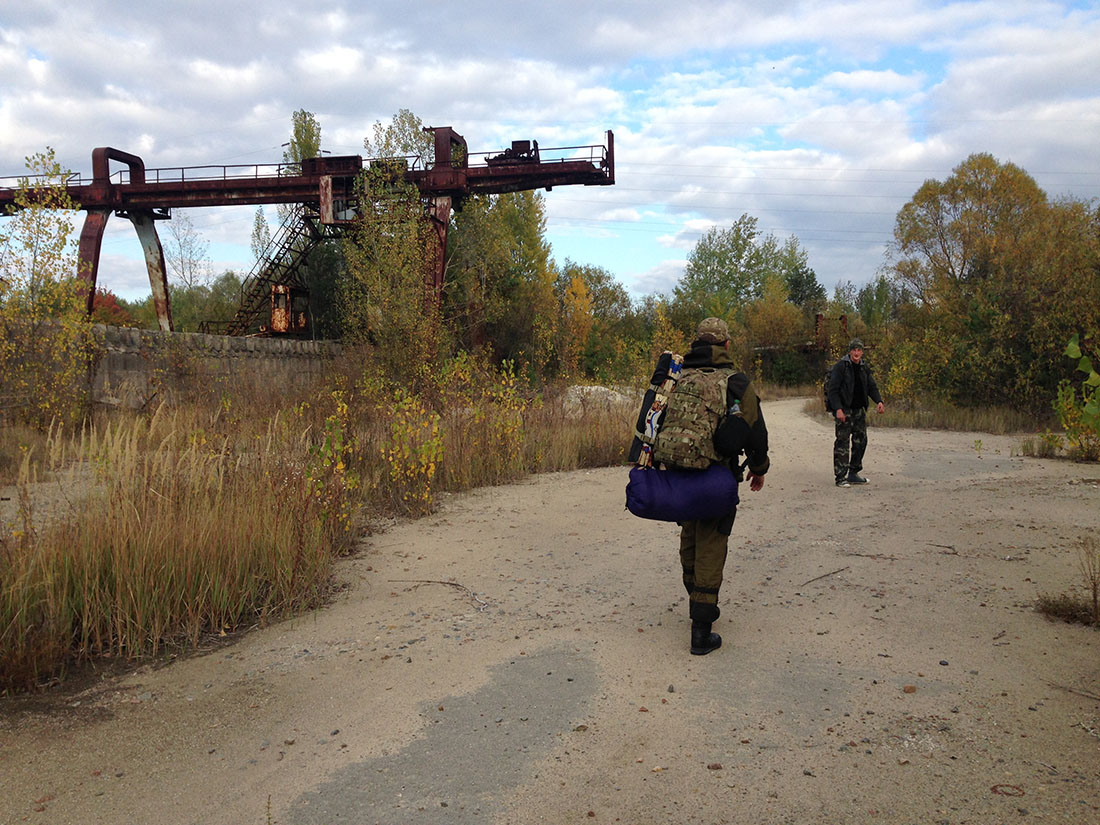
(847, 392)
(704, 544)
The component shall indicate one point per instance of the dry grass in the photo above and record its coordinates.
(225, 512)
(774, 392)
(1070, 607)
(167, 534)
(936, 415)
(16, 441)
(1066, 607)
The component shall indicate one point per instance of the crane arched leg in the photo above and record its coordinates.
(143, 221)
(91, 239)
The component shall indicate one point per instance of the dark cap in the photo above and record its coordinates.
(713, 330)
(855, 344)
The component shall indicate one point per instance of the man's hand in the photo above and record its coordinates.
(755, 482)
(840, 416)
(880, 408)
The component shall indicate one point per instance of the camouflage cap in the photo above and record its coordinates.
(713, 330)
(855, 344)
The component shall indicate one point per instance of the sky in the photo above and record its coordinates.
(820, 119)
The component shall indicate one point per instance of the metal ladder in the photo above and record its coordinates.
(279, 264)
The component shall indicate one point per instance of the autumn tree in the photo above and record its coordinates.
(526, 332)
(1004, 277)
(576, 324)
(668, 335)
(953, 232)
(107, 310)
(617, 342)
(44, 332)
(499, 281)
(383, 297)
(773, 321)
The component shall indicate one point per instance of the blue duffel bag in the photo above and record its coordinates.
(682, 495)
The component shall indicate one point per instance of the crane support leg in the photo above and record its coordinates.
(143, 221)
(439, 215)
(91, 239)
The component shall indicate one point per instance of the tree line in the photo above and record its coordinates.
(986, 280)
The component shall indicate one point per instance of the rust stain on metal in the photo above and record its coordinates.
(143, 221)
(289, 311)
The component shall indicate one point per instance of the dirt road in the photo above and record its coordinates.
(522, 657)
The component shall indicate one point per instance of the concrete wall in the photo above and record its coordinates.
(133, 366)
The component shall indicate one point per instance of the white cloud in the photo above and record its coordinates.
(124, 275)
(687, 235)
(334, 63)
(39, 70)
(626, 214)
(880, 82)
(659, 279)
(225, 78)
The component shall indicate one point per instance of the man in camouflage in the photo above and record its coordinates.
(704, 544)
(849, 387)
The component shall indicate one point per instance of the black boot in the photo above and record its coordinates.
(702, 640)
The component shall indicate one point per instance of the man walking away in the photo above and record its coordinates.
(739, 428)
(849, 387)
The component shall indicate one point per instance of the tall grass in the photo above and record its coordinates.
(15, 441)
(224, 512)
(169, 536)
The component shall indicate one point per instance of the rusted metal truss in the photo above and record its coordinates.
(326, 185)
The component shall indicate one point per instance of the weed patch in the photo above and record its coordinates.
(1065, 607)
(1071, 607)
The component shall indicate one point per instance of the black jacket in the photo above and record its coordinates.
(746, 433)
(841, 387)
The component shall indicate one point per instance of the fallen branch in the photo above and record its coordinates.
(950, 550)
(462, 587)
(1068, 689)
(823, 575)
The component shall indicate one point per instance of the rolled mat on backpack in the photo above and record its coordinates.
(681, 495)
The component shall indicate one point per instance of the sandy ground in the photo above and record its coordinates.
(522, 657)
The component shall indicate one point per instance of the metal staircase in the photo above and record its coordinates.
(278, 265)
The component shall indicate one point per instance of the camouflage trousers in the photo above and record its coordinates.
(703, 547)
(849, 461)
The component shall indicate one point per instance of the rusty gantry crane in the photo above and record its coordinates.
(323, 190)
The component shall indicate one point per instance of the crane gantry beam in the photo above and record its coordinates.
(326, 183)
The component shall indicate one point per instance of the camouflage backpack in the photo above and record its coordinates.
(695, 407)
